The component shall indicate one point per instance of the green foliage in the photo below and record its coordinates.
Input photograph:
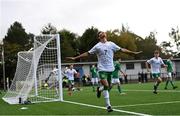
(71, 44)
(16, 40)
(16, 34)
(169, 47)
(166, 48)
(68, 44)
(87, 41)
(175, 36)
(49, 29)
(147, 45)
(124, 39)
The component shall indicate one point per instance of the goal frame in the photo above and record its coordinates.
(8, 98)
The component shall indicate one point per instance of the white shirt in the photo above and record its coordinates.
(155, 64)
(70, 73)
(55, 73)
(105, 53)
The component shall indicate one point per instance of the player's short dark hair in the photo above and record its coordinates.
(99, 33)
(169, 55)
(156, 52)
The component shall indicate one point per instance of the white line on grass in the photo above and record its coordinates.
(151, 90)
(147, 104)
(100, 107)
(146, 90)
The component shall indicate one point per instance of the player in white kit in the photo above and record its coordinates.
(156, 62)
(54, 76)
(70, 72)
(105, 52)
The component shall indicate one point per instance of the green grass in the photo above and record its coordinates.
(135, 94)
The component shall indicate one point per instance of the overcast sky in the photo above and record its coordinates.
(142, 16)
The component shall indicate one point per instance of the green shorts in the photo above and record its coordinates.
(71, 82)
(115, 77)
(105, 75)
(156, 75)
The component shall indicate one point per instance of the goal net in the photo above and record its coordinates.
(38, 73)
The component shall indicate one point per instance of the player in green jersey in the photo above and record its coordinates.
(170, 71)
(94, 76)
(115, 75)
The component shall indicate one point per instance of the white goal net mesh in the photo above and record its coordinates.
(38, 77)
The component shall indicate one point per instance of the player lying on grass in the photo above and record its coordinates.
(105, 53)
(53, 76)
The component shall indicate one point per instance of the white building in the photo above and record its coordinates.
(130, 67)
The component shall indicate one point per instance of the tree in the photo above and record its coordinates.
(175, 36)
(88, 40)
(49, 29)
(16, 34)
(147, 45)
(125, 39)
(16, 40)
(166, 47)
(172, 47)
(68, 44)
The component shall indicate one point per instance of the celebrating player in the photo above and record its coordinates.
(105, 53)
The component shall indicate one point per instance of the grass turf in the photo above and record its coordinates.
(139, 95)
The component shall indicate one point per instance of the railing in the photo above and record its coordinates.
(146, 77)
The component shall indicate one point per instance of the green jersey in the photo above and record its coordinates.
(117, 67)
(169, 65)
(94, 72)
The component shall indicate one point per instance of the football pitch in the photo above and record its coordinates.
(138, 100)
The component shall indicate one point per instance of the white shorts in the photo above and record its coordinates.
(94, 80)
(169, 74)
(115, 80)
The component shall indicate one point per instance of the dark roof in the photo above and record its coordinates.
(123, 61)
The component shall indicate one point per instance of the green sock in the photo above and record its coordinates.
(93, 88)
(157, 84)
(111, 86)
(166, 83)
(119, 89)
(106, 88)
(172, 83)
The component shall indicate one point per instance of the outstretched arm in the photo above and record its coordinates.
(164, 65)
(147, 67)
(124, 74)
(80, 56)
(128, 51)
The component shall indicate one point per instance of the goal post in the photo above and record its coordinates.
(59, 67)
(36, 79)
